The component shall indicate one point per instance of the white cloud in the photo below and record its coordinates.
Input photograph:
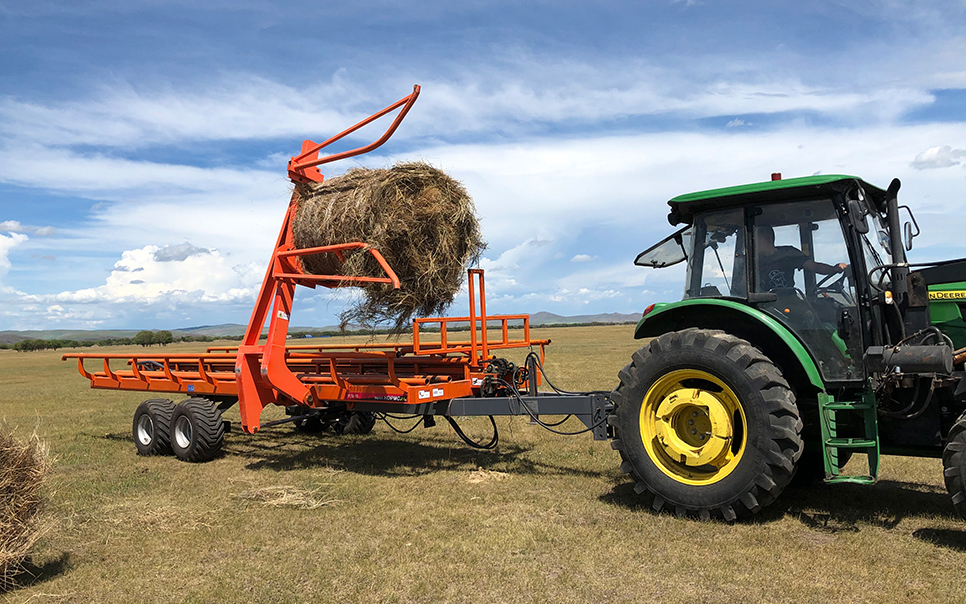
(140, 277)
(583, 258)
(236, 107)
(939, 157)
(16, 227)
(735, 123)
(7, 243)
(523, 90)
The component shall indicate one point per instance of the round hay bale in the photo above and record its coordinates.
(422, 221)
(24, 467)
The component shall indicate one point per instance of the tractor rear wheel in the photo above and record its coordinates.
(197, 430)
(954, 464)
(707, 425)
(152, 423)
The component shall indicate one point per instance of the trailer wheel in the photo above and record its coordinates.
(311, 425)
(954, 464)
(197, 430)
(152, 423)
(707, 425)
(354, 422)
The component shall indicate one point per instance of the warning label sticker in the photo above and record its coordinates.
(423, 394)
(958, 294)
(437, 392)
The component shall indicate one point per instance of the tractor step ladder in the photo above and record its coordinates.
(833, 444)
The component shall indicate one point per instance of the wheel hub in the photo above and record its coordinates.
(690, 421)
(145, 429)
(693, 427)
(182, 432)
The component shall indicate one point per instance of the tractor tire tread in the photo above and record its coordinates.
(781, 449)
(954, 465)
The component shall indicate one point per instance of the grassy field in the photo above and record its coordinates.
(423, 518)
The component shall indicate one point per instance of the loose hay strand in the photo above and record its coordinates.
(24, 468)
(288, 497)
(422, 221)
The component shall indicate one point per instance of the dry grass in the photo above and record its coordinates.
(421, 220)
(24, 467)
(411, 526)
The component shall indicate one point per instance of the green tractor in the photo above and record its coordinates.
(804, 337)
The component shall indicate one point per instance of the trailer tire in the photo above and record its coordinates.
(197, 430)
(354, 422)
(954, 465)
(152, 424)
(310, 425)
(707, 425)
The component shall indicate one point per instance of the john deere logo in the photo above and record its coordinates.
(958, 294)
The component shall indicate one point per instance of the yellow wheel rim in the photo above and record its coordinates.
(693, 426)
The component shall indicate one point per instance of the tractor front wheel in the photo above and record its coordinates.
(954, 464)
(707, 425)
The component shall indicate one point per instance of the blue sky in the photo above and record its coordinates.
(143, 144)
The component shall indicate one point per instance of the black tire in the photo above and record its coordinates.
(954, 464)
(197, 430)
(725, 384)
(354, 422)
(151, 428)
(310, 425)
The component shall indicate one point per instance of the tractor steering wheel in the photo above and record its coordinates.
(837, 286)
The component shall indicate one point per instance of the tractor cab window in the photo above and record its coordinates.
(667, 252)
(876, 255)
(717, 265)
(801, 256)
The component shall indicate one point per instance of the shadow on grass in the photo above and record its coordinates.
(949, 538)
(384, 456)
(841, 507)
(114, 436)
(31, 574)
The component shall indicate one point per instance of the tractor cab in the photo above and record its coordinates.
(788, 248)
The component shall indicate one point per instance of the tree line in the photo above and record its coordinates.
(142, 338)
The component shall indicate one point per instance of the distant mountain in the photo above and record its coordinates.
(548, 318)
(234, 329)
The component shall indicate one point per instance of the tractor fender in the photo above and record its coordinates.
(739, 319)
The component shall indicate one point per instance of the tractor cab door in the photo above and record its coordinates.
(799, 252)
(716, 265)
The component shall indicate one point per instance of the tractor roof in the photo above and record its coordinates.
(683, 207)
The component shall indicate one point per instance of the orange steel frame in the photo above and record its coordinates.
(270, 372)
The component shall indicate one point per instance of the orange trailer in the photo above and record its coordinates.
(344, 387)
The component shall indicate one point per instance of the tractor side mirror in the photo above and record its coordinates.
(907, 229)
(857, 216)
